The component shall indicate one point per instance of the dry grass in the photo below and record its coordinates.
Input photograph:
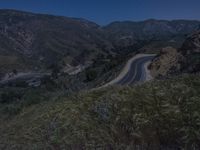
(158, 114)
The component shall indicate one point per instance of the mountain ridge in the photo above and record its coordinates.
(37, 41)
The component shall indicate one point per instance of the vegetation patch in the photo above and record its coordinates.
(156, 115)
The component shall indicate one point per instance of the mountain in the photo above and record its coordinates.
(183, 60)
(41, 40)
(128, 32)
(39, 110)
(37, 42)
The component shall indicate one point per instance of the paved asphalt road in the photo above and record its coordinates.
(136, 72)
(23, 77)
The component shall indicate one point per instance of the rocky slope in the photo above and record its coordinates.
(167, 59)
(175, 61)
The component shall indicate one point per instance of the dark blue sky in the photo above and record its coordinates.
(106, 11)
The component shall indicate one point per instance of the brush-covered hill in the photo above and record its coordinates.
(156, 115)
(176, 61)
(155, 32)
(191, 53)
(30, 40)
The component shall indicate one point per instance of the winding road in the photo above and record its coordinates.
(135, 71)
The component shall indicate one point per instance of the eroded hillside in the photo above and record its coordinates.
(176, 61)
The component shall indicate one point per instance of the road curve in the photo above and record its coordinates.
(135, 71)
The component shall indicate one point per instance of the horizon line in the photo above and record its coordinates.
(100, 24)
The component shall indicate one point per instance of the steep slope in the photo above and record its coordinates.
(36, 42)
(191, 53)
(167, 59)
(175, 61)
(36, 39)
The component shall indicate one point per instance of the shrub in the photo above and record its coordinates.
(10, 96)
(91, 75)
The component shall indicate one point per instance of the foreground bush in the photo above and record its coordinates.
(156, 115)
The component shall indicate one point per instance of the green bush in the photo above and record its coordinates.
(11, 109)
(155, 115)
(10, 96)
(32, 97)
(91, 75)
(13, 100)
(49, 83)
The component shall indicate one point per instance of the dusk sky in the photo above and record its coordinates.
(106, 11)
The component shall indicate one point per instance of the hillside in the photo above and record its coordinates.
(191, 53)
(56, 105)
(156, 33)
(156, 115)
(35, 42)
(177, 61)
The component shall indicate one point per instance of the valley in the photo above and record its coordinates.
(69, 83)
(35, 42)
